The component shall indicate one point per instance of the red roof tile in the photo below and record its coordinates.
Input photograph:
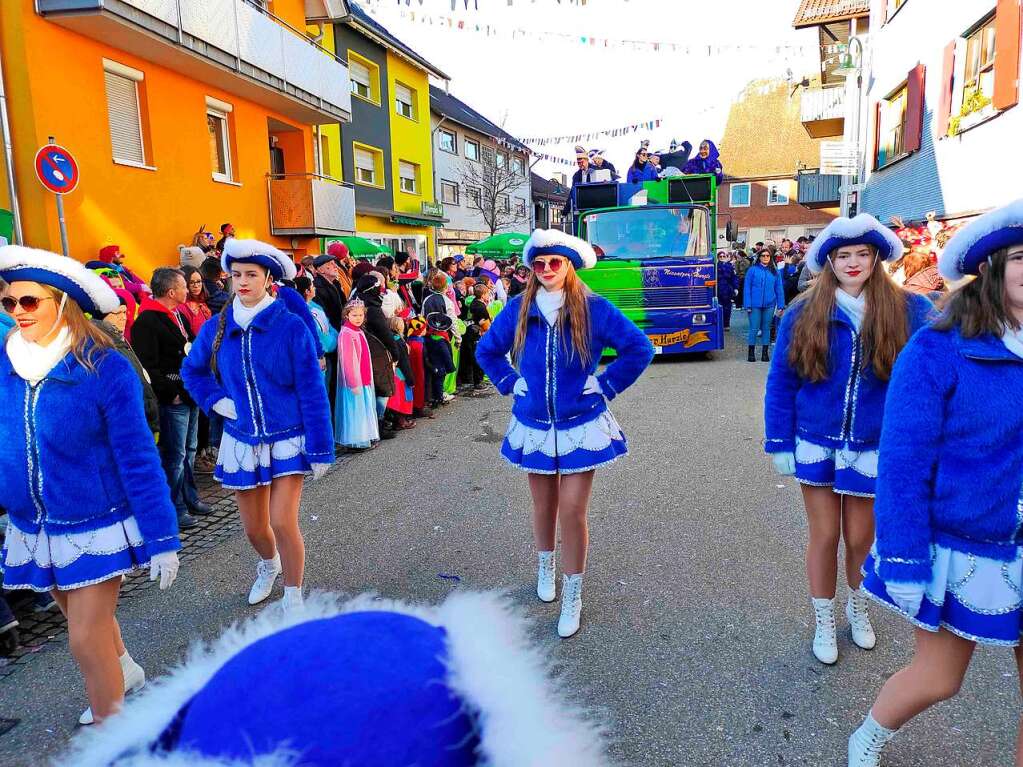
(812, 12)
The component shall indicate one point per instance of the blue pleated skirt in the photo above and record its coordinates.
(845, 470)
(564, 451)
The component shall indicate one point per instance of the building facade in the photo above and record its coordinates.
(386, 150)
(179, 114)
(549, 199)
(482, 175)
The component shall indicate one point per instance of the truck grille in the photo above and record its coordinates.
(660, 298)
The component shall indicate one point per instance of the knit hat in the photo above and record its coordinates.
(552, 242)
(974, 243)
(278, 263)
(361, 269)
(82, 285)
(338, 250)
(109, 252)
(864, 229)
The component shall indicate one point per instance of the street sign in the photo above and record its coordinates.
(839, 158)
(433, 208)
(57, 169)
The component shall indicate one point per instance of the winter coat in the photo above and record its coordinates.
(327, 335)
(149, 400)
(844, 408)
(271, 373)
(925, 282)
(728, 281)
(160, 339)
(951, 458)
(383, 365)
(330, 297)
(438, 355)
(710, 165)
(78, 455)
(762, 288)
(7, 324)
(638, 175)
(554, 375)
(376, 320)
(297, 306)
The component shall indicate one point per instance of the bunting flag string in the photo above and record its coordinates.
(576, 138)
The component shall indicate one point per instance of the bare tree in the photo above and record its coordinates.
(488, 189)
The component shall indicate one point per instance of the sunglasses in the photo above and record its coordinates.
(28, 303)
(554, 264)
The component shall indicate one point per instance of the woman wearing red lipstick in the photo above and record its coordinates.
(824, 403)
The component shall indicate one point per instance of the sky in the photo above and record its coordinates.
(535, 77)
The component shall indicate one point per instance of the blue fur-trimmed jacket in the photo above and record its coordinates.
(951, 458)
(271, 373)
(846, 407)
(78, 455)
(554, 375)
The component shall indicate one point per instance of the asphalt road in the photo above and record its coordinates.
(696, 623)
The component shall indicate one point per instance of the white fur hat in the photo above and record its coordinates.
(863, 229)
(553, 242)
(279, 263)
(84, 286)
(975, 242)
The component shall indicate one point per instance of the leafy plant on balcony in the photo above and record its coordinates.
(974, 101)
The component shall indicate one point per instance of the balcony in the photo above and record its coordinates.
(817, 190)
(308, 205)
(822, 111)
(231, 44)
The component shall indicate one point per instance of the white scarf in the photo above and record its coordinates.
(1013, 340)
(856, 308)
(33, 362)
(244, 315)
(549, 302)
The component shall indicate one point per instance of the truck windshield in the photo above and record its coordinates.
(649, 233)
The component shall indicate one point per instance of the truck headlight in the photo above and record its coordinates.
(699, 319)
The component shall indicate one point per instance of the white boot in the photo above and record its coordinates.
(825, 644)
(545, 588)
(266, 574)
(293, 601)
(866, 744)
(571, 605)
(859, 620)
(134, 680)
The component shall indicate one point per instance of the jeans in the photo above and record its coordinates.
(726, 311)
(216, 429)
(381, 406)
(179, 437)
(760, 319)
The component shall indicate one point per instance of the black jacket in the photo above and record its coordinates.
(376, 322)
(149, 401)
(159, 344)
(330, 296)
(383, 366)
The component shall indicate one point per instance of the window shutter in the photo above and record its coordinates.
(123, 112)
(1007, 50)
(914, 107)
(948, 69)
(403, 93)
(359, 72)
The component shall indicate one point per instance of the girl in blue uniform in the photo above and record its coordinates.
(82, 483)
(257, 366)
(949, 550)
(824, 401)
(561, 430)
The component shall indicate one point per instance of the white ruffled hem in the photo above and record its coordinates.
(861, 461)
(595, 436)
(235, 456)
(983, 585)
(63, 550)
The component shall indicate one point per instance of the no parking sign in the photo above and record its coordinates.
(57, 169)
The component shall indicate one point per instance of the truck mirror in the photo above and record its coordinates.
(731, 231)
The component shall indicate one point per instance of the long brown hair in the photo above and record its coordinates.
(575, 311)
(885, 325)
(88, 342)
(980, 306)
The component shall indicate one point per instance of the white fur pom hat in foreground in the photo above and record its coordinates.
(974, 243)
(863, 229)
(553, 242)
(367, 683)
(280, 264)
(83, 286)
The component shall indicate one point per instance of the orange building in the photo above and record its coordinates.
(180, 113)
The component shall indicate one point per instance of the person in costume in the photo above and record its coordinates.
(469, 372)
(561, 430)
(86, 504)
(257, 366)
(728, 286)
(949, 550)
(438, 355)
(112, 268)
(355, 415)
(763, 299)
(706, 161)
(326, 334)
(597, 162)
(414, 337)
(399, 406)
(641, 169)
(824, 403)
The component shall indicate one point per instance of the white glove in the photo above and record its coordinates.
(908, 596)
(319, 469)
(165, 565)
(225, 407)
(784, 463)
(592, 386)
(521, 388)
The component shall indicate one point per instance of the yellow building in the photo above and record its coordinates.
(180, 114)
(387, 149)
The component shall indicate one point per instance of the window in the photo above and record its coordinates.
(891, 127)
(326, 168)
(487, 155)
(776, 236)
(520, 207)
(472, 149)
(365, 77)
(408, 177)
(738, 196)
(814, 231)
(742, 237)
(517, 166)
(475, 196)
(503, 204)
(124, 113)
(217, 127)
(778, 193)
(979, 76)
(405, 101)
(448, 141)
(369, 165)
(502, 160)
(449, 192)
(555, 212)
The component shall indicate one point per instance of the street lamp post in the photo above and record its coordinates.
(853, 64)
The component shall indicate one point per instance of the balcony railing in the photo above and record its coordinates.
(817, 190)
(266, 59)
(822, 111)
(310, 205)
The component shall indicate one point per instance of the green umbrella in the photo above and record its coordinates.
(499, 246)
(359, 247)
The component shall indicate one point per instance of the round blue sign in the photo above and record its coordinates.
(56, 169)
